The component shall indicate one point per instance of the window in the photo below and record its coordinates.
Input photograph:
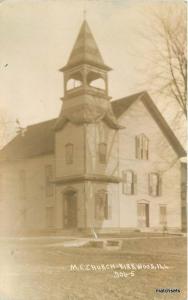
(102, 209)
(69, 153)
(143, 214)
(75, 80)
(49, 184)
(102, 152)
(22, 184)
(142, 147)
(96, 80)
(49, 217)
(129, 182)
(163, 215)
(154, 184)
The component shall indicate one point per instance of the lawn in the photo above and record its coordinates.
(40, 270)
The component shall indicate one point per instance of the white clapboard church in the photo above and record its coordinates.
(101, 164)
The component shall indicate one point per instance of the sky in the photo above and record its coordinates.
(37, 36)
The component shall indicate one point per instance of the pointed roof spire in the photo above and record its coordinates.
(85, 50)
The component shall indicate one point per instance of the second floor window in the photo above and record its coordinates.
(102, 153)
(142, 147)
(154, 184)
(129, 182)
(69, 153)
(48, 180)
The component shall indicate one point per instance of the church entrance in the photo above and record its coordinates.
(70, 209)
(143, 215)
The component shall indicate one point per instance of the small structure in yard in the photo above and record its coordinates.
(112, 244)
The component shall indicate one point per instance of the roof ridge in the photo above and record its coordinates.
(39, 123)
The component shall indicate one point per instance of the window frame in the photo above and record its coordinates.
(142, 147)
(158, 185)
(102, 156)
(69, 153)
(132, 183)
(105, 205)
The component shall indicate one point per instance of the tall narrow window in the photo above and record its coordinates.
(22, 184)
(143, 214)
(129, 182)
(49, 217)
(163, 215)
(102, 208)
(154, 184)
(102, 153)
(69, 153)
(48, 179)
(142, 147)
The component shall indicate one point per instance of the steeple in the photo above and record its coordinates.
(86, 98)
(85, 50)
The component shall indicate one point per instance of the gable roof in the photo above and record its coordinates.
(121, 105)
(39, 138)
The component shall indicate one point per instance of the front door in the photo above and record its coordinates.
(70, 210)
(143, 215)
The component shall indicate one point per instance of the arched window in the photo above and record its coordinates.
(129, 182)
(75, 80)
(95, 80)
(102, 209)
(142, 147)
(69, 153)
(102, 152)
(98, 83)
(154, 184)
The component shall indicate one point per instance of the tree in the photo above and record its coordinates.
(168, 60)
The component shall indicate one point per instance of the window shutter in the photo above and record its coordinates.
(159, 186)
(149, 184)
(124, 180)
(137, 146)
(109, 208)
(106, 207)
(135, 183)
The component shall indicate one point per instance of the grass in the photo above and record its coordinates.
(35, 272)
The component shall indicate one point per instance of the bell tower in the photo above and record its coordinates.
(86, 139)
(85, 80)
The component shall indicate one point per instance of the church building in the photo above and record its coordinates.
(102, 164)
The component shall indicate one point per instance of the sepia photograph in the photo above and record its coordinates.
(93, 166)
